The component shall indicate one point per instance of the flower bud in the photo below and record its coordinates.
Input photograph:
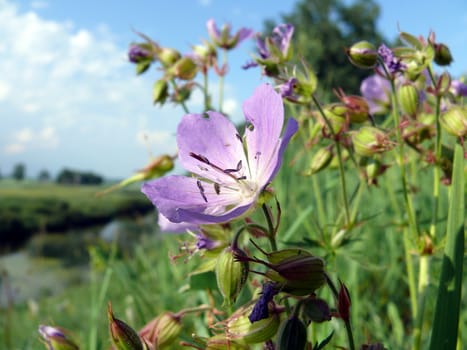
(162, 331)
(369, 141)
(321, 159)
(138, 53)
(443, 55)
(297, 271)
(221, 342)
(454, 121)
(409, 99)
(357, 108)
(335, 114)
(231, 274)
(316, 310)
(160, 91)
(168, 56)
(363, 54)
(343, 302)
(184, 68)
(240, 328)
(292, 335)
(57, 338)
(122, 335)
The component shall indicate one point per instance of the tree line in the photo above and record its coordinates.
(66, 176)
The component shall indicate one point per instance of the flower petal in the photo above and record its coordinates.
(186, 199)
(214, 138)
(265, 111)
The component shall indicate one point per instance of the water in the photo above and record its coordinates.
(50, 263)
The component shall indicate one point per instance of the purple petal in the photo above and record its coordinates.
(244, 33)
(186, 199)
(214, 137)
(282, 35)
(265, 112)
(290, 129)
(212, 29)
(168, 226)
(375, 89)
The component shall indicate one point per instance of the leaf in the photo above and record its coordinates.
(446, 319)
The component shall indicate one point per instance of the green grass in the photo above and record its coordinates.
(29, 207)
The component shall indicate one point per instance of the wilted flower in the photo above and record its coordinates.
(376, 91)
(231, 171)
(261, 309)
(223, 38)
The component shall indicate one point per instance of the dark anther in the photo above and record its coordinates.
(250, 127)
(217, 188)
(199, 157)
(241, 177)
(238, 168)
(239, 137)
(201, 190)
(257, 155)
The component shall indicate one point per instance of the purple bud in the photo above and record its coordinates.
(287, 89)
(458, 88)
(261, 310)
(392, 63)
(136, 54)
(204, 242)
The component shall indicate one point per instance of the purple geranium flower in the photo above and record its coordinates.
(280, 38)
(376, 91)
(392, 63)
(223, 38)
(231, 171)
(458, 88)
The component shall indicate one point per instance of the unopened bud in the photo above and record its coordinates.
(363, 54)
(369, 141)
(162, 331)
(184, 68)
(240, 328)
(122, 335)
(454, 121)
(409, 99)
(443, 55)
(321, 159)
(335, 114)
(343, 302)
(292, 334)
(168, 56)
(316, 310)
(231, 274)
(357, 108)
(57, 338)
(160, 91)
(221, 342)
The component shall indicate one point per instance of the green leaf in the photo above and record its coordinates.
(203, 281)
(446, 320)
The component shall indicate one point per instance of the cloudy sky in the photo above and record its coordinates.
(69, 97)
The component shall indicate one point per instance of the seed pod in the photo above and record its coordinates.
(409, 99)
(292, 335)
(443, 55)
(454, 121)
(160, 91)
(363, 54)
(316, 310)
(185, 68)
(321, 159)
(369, 141)
(221, 342)
(240, 328)
(122, 335)
(162, 331)
(168, 56)
(231, 275)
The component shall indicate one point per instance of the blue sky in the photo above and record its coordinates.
(68, 96)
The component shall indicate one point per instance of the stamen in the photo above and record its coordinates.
(238, 168)
(241, 177)
(201, 190)
(200, 157)
(239, 137)
(217, 188)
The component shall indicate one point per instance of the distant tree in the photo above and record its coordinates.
(19, 172)
(69, 177)
(323, 29)
(43, 176)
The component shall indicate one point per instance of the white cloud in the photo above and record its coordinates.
(27, 138)
(4, 90)
(39, 4)
(155, 138)
(13, 148)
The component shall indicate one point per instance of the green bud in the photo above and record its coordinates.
(321, 159)
(335, 114)
(409, 99)
(184, 68)
(160, 91)
(454, 121)
(57, 338)
(298, 272)
(292, 335)
(443, 55)
(168, 56)
(122, 335)
(363, 55)
(221, 342)
(369, 141)
(231, 274)
(240, 328)
(162, 331)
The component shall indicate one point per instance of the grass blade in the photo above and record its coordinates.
(446, 320)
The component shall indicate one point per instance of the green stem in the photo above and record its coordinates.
(340, 162)
(206, 91)
(423, 281)
(174, 85)
(271, 231)
(221, 80)
(348, 326)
